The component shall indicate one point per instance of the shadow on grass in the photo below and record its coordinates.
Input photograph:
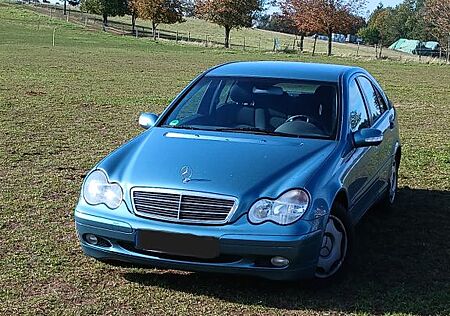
(401, 265)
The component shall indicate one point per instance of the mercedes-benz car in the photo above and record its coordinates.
(258, 168)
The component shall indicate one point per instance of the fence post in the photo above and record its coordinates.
(67, 16)
(176, 38)
(244, 42)
(137, 35)
(206, 41)
(189, 36)
(357, 51)
(85, 21)
(448, 49)
(53, 40)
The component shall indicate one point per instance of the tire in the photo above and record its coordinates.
(388, 200)
(337, 247)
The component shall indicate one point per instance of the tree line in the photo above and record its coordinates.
(418, 19)
(422, 20)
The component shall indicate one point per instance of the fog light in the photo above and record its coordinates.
(279, 261)
(91, 239)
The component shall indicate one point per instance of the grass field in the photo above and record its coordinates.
(197, 31)
(63, 108)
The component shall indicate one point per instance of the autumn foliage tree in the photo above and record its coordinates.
(324, 16)
(229, 13)
(159, 11)
(437, 15)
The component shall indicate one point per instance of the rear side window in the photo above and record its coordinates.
(374, 100)
(358, 112)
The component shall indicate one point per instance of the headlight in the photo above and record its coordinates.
(98, 190)
(288, 208)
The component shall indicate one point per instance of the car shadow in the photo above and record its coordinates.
(401, 264)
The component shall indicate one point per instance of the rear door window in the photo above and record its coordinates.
(359, 118)
(373, 98)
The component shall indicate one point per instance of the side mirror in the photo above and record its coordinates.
(147, 120)
(367, 137)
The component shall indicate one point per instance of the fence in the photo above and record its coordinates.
(257, 41)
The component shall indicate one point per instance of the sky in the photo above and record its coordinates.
(371, 5)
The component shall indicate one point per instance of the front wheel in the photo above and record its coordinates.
(336, 245)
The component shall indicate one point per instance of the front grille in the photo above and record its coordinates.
(183, 206)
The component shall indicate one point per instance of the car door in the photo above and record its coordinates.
(361, 163)
(383, 119)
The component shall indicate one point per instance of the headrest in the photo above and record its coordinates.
(242, 93)
(325, 95)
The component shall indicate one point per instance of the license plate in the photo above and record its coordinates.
(178, 244)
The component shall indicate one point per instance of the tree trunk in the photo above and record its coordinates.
(227, 36)
(105, 21)
(330, 40)
(381, 50)
(154, 30)
(314, 47)
(133, 22)
(65, 7)
(302, 40)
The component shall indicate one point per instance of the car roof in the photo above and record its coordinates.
(283, 69)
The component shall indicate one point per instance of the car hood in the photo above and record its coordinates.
(245, 166)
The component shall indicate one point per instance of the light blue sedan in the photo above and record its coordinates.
(259, 168)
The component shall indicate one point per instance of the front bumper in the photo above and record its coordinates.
(239, 253)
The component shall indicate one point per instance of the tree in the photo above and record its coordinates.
(437, 15)
(277, 22)
(229, 13)
(189, 8)
(160, 11)
(289, 14)
(324, 16)
(105, 8)
(381, 23)
(133, 11)
(370, 34)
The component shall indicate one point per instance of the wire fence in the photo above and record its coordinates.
(258, 41)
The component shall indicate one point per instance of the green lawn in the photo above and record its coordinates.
(63, 108)
(198, 31)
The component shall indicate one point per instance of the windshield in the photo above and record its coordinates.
(278, 107)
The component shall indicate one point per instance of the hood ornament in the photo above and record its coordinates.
(186, 174)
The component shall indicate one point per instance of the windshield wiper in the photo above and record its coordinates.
(182, 127)
(254, 130)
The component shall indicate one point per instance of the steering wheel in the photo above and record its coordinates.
(307, 119)
(300, 117)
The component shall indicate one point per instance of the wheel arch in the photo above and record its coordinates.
(341, 197)
(398, 154)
